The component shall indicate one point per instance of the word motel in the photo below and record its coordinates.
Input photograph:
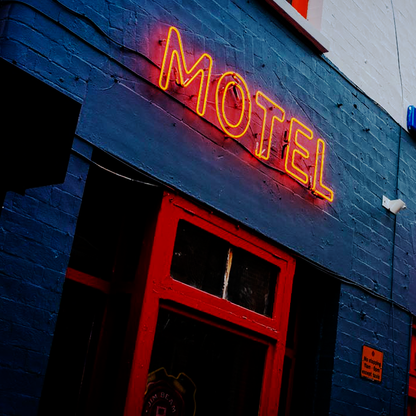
(304, 154)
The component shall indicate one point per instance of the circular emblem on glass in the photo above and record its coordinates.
(168, 395)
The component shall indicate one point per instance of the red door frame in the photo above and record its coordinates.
(163, 291)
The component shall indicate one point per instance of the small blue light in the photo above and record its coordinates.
(411, 119)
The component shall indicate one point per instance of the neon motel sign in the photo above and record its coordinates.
(304, 155)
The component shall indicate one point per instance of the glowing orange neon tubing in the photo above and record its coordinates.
(171, 53)
(203, 68)
(295, 148)
(241, 85)
(232, 84)
(269, 108)
(317, 186)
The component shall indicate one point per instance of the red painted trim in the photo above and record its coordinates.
(220, 308)
(88, 280)
(163, 291)
(412, 366)
(301, 6)
(412, 386)
(214, 322)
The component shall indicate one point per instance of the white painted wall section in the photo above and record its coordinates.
(364, 47)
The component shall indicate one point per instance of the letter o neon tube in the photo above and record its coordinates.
(237, 129)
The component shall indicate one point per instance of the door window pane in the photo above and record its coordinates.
(226, 369)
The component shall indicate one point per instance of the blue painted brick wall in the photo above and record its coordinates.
(76, 48)
(36, 233)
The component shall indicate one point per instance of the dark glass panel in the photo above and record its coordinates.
(76, 383)
(310, 342)
(226, 369)
(199, 258)
(73, 350)
(252, 282)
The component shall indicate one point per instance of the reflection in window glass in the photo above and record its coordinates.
(199, 258)
(209, 263)
(252, 282)
(226, 369)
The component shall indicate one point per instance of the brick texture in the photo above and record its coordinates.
(76, 47)
(36, 232)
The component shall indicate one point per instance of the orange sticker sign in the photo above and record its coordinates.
(372, 364)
